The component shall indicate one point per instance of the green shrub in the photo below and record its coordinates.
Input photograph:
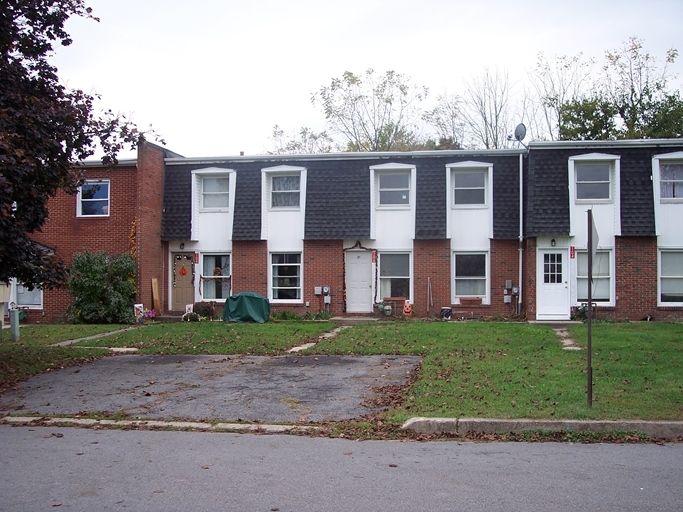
(103, 287)
(210, 310)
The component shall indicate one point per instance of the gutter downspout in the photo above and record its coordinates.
(521, 230)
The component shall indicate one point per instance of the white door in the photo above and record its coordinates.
(359, 282)
(552, 290)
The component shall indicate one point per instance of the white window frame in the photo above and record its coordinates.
(198, 209)
(212, 278)
(487, 286)
(271, 275)
(392, 169)
(273, 193)
(267, 176)
(614, 178)
(380, 277)
(612, 281)
(79, 199)
(657, 161)
(204, 193)
(470, 166)
(198, 176)
(660, 303)
(15, 289)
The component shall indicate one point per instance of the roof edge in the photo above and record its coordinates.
(344, 156)
(624, 143)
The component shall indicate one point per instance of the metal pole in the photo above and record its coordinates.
(14, 324)
(589, 313)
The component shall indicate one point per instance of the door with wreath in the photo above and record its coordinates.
(182, 284)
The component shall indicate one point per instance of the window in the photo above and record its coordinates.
(602, 282)
(470, 275)
(552, 268)
(93, 199)
(286, 276)
(671, 180)
(394, 275)
(215, 192)
(285, 191)
(29, 298)
(215, 277)
(469, 187)
(394, 188)
(593, 180)
(671, 277)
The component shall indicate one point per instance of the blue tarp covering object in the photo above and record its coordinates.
(246, 307)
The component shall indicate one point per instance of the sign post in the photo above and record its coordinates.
(592, 247)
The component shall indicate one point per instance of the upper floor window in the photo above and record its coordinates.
(470, 184)
(394, 188)
(285, 191)
(469, 187)
(593, 180)
(671, 180)
(215, 192)
(93, 199)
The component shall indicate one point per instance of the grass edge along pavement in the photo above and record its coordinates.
(402, 337)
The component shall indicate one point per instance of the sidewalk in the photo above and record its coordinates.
(661, 429)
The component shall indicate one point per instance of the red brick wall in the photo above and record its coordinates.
(150, 253)
(431, 263)
(636, 282)
(636, 279)
(68, 234)
(323, 266)
(250, 267)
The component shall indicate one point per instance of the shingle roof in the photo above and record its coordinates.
(548, 187)
(176, 216)
(337, 199)
(547, 209)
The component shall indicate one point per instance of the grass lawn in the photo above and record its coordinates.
(469, 369)
(271, 338)
(501, 370)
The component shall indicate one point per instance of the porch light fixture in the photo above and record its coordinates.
(182, 245)
(552, 243)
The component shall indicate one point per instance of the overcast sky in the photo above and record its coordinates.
(214, 76)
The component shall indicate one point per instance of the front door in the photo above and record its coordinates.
(552, 290)
(182, 275)
(359, 282)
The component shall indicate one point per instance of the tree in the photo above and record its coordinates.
(372, 113)
(590, 118)
(304, 141)
(44, 130)
(487, 110)
(631, 101)
(558, 83)
(447, 121)
(103, 287)
(636, 85)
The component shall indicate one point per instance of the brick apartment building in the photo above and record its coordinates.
(484, 233)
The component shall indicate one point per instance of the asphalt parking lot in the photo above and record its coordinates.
(287, 389)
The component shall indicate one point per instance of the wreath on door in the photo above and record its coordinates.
(183, 271)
